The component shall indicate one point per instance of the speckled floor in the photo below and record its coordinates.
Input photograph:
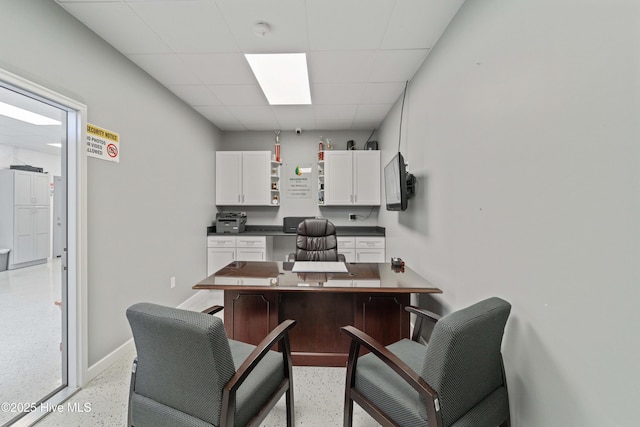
(31, 321)
(318, 395)
(30, 357)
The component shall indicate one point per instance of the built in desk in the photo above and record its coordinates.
(371, 297)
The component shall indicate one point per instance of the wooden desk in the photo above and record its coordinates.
(371, 297)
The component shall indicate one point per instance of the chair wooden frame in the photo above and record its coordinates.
(430, 396)
(279, 336)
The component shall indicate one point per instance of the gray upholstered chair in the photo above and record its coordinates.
(457, 379)
(188, 373)
(316, 241)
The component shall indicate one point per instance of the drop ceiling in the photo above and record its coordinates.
(359, 53)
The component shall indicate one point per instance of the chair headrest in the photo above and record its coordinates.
(316, 227)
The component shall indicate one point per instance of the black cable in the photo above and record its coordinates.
(365, 217)
(402, 113)
(372, 132)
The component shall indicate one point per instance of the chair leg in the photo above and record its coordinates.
(290, 411)
(348, 411)
(132, 387)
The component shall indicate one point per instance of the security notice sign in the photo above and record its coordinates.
(103, 144)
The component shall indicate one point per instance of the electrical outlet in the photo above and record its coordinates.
(352, 217)
(173, 282)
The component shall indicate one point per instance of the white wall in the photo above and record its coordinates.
(147, 214)
(522, 127)
(300, 150)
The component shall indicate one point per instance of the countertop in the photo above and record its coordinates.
(276, 230)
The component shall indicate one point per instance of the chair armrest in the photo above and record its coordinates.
(278, 334)
(341, 258)
(391, 360)
(213, 309)
(422, 314)
(291, 258)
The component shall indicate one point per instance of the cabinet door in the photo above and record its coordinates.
(218, 258)
(24, 242)
(370, 255)
(251, 254)
(346, 247)
(41, 232)
(256, 178)
(366, 178)
(370, 249)
(41, 189)
(228, 178)
(23, 191)
(338, 178)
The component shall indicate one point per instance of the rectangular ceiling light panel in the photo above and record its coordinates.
(284, 78)
(26, 116)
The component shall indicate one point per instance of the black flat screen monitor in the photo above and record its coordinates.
(395, 184)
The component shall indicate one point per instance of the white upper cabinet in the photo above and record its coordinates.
(352, 177)
(244, 178)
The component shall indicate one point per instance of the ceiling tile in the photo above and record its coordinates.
(286, 18)
(247, 113)
(119, 25)
(340, 67)
(334, 112)
(239, 94)
(418, 24)
(335, 125)
(382, 93)
(293, 112)
(396, 65)
(215, 69)
(337, 93)
(372, 112)
(346, 25)
(187, 26)
(216, 113)
(168, 69)
(195, 94)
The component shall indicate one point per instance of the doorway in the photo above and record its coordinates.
(41, 361)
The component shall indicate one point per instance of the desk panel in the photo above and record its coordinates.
(371, 297)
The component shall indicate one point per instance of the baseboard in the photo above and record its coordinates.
(98, 367)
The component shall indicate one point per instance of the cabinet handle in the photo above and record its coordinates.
(239, 198)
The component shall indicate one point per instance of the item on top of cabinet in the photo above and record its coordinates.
(351, 145)
(27, 168)
(277, 149)
(371, 145)
(230, 222)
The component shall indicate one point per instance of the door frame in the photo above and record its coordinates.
(76, 257)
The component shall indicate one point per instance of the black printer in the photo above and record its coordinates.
(230, 222)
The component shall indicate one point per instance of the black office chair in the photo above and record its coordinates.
(316, 241)
(456, 380)
(188, 373)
